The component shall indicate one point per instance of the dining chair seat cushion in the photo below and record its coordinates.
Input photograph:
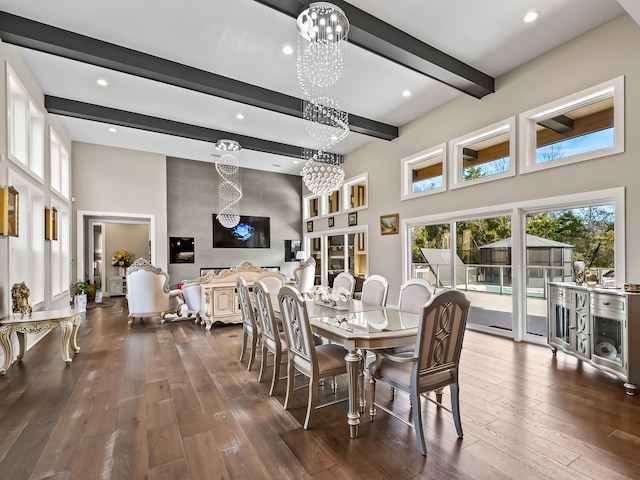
(283, 342)
(400, 373)
(331, 358)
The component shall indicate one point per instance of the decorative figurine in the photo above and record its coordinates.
(20, 296)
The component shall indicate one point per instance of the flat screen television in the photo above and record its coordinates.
(181, 250)
(251, 232)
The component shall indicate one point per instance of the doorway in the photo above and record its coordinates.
(100, 232)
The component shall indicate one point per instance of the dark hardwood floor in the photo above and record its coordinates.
(173, 402)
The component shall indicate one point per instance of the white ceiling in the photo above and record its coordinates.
(243, 40)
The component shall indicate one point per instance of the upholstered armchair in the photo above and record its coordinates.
(148, 292)
(193, 298)
(305, 276)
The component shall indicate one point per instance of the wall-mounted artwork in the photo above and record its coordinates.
(181, 250)
(389, 224)
(291, 247)
(251, 232)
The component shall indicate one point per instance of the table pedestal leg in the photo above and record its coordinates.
(66, 330)
(353, 371)
(6, 349)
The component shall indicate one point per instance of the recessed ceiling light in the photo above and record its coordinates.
(276, 165)
(531, 16)
(287, 49)
(102, 82)
(240, 116)
(112, 130)
(406, 93)
(296, 162)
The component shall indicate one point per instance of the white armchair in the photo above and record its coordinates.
(305, 276)
(148, 292)
(193, 298)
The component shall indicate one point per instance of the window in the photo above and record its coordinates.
(484, 155)
(424, 173)
(333, 202)
(60, 254)
(505, 255)
(583, 126)
(355, 192)
(26, 258)
(25, 124)
(311, 206)
(59, 165)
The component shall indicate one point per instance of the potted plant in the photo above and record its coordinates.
(80, 291)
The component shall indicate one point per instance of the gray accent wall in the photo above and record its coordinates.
(192, 198)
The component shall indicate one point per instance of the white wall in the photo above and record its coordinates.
(121, 181)
(602, 54)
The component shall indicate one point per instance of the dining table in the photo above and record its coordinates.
(357, 327)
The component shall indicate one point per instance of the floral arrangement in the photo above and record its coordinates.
(122, 258)
(333, 296)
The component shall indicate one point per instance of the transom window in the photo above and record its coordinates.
(424, 173)
(484, 155)
(583, 126)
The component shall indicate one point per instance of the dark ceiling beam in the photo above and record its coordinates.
(98, 113)
(559, 124)
(56, 41)
(379, 37)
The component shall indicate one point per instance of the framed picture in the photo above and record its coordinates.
(389, 224)
(353, 219)
(310, 226)
(331, 221)
(291, 247)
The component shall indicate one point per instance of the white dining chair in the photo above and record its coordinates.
(274, 281)
(314, 361)
(414, 293)
(434, 364)
(374, 290)
(345, 280)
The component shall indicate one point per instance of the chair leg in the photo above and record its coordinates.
(417, 420)
(244, 342)
(439, 395)
(372, 398)
(455, 407)
(254, 347)
(291, 373)
(264, 358)
(276, 372)
(313, 393)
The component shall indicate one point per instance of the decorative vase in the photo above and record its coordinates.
(80, 302)
(122, 271)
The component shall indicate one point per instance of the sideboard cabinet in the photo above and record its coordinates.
(598, 326)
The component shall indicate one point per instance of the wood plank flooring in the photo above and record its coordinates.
(172, 401)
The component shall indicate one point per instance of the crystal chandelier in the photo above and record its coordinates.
(322, 29)
(229, 190)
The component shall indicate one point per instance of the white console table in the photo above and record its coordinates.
(68, 320)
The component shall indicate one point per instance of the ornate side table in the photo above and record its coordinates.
(68, 320)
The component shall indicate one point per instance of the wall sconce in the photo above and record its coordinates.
(9, 211)
(51, 223)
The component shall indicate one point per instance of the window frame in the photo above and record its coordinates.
(33, 128)
(346, 193)
(406, 188)
(60, 169)
(457, 144)
(527, 162)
